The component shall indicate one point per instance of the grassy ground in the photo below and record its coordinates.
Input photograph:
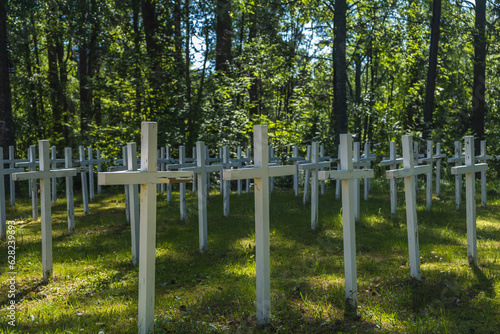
(94, 288)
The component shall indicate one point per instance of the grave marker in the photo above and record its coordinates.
(182, 187)
(314, 167)
(367, 157)
(393, 161)
(483, 158)
(346, 173)
(409, 171)
(202, 171)
(31, 165)
(3, 217)
(12, 161)
(83, 174)
(44, 174)
(296, 162)
(70, 206)
(133, 193)
(438, 158)
(429, 160)
(469, 170)
(148, 177)
(458, 159)
(261, 173)
(307, 176)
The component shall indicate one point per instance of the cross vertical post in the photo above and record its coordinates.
(409, 172)
(469, 170)
(91, 175)
(54, 180)
(182, 186)
(247, 182)
(169, 185)
(261, 172)
(12, 184)
(438, 158)
(99, 162)
(33, 186)
(239, 157)
(393, 161)
(133, 191)
(484, 158)
(3, 172)
(162, 167)
(346, 174)
(70, 206)
(307, 176)
(357, 211)
(428, 193)
(321, 157)
(83, 174)
(225, 183)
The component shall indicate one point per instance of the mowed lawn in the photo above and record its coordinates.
(94, 287)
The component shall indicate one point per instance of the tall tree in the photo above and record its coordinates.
(432, 70)
(479, 85)
(340, 67)
(224, 33)
(6, 124)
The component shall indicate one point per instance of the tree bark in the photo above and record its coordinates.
(224, 33)
(479, 85)
(432, 70)
(6, 124)
(340, 90)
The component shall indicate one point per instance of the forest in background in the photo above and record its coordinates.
(87, 72)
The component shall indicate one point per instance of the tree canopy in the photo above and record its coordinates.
(88, 71)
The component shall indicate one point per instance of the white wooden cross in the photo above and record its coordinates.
(483, 158)
(367, 157)
(469, 170)
(3, 217)
(32, 164)
(409, 171)
(133, 204)
(393, 161)
(261, 173)
(83, 174)
(428, 186)
(91, 162)
(226, 184)
(314, 167)
(458, 158)
(182, 187)
(296, 161)
(273, 160)
(307, 176)
(338, 183)
(347, 174)
(44, 174)
(357, 163)
(70, 206)
(202, 171)
(323, 158)
(249, 158)
(148, 177)
(439, 156)
(12, 161)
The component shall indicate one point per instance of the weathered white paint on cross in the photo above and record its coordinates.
(392, 162)
(148, 177)
(469, 170)
(261, 173)
(409, 171)
(44, 174)
(8, 171)
(202, 171)
(483, 157)
(226, 184)
(314, 167)
(347, 174)
(338, 183)
(458, 158)
(323, 158)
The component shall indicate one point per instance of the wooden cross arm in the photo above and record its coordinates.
(315, 165)
(138, 177)
(361, 164)
(256, 172)
(439, 156)
(346, 174)
(455, 159)
(431, 159)
(116, 168)
(469, 169)
(8, 171)
(27, 164)
(405, 172)
(484, 157)
(388, 162)
(44, 174)
(297, 159)
(207, 169)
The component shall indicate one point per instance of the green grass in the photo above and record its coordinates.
(94, 288)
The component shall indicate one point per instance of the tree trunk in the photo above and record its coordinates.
(432, 70)
(340, 91)
(32, 89)
(478, 92)
(224, 33)
(6, 124)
